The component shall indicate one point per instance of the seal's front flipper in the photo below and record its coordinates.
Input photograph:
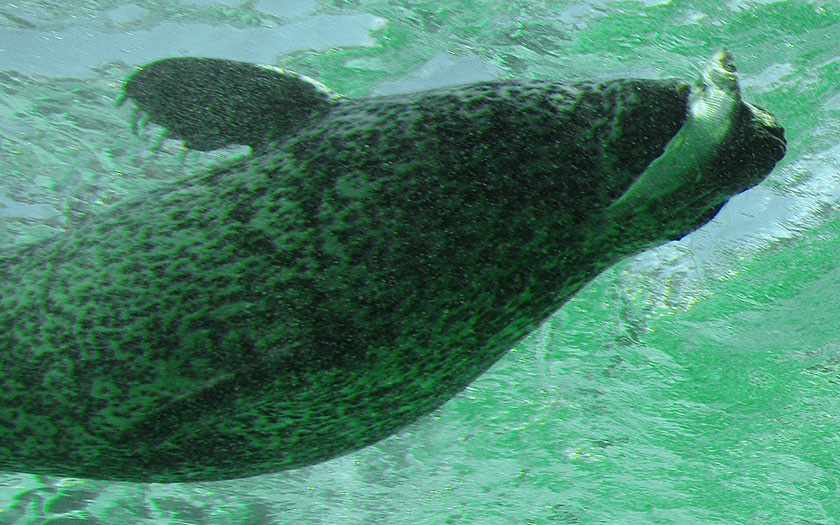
(212, 103)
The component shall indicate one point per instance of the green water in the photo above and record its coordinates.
(697, 383)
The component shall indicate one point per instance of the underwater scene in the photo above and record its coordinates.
(695, 382)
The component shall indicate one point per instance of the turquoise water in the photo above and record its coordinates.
(696, 383)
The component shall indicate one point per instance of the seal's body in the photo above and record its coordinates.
(370, 260)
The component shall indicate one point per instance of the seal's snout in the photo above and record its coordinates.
(778, 132)
(776, 129)
(771, 131)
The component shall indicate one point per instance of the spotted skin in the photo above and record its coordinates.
(320, 295)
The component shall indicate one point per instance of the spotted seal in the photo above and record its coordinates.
(366, 263)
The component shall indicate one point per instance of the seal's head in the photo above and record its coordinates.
(722, 149)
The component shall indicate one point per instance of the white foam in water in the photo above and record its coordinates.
(228, 3)
(72, 52)
(125, 13)
(10, 208)
(442, 70)
(286, 8)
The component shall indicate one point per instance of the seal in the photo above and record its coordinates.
(366, 263)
